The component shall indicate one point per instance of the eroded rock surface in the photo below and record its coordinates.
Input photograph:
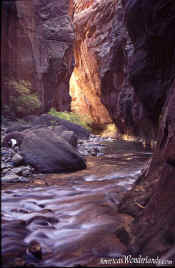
(37, 39)
(49, 153)
(152, 72)
(99, 84)
(45, 120)
(47, 148)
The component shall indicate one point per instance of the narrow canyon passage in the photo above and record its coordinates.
(99, 84)
(74, 218)
(111, 62)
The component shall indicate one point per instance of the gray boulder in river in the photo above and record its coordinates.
(47, 152)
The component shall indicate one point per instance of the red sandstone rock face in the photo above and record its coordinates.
(85, 82)
(37, 39)
(158, 216)
(99, 83)
(167, 129)
(152, 74)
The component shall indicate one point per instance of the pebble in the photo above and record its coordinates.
(23, 179)
(10, 178)
(34, 250)
(19, 170)
(17, 159)
(93, 146)
(6, 171)
(27, 172)
(4, 165)
(12, 171)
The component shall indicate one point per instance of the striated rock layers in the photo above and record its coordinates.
(37, 39)
(99, 83)
(151, 25)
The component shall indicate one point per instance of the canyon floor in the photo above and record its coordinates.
(71, 219)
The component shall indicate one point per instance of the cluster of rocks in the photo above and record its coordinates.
(93, 146)
(41, 147)
(13, 168)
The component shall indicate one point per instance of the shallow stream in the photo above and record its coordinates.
(72, 217)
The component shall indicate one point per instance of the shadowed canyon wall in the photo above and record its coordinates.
(99, 84)
(37, 46)
(37, 38)
(152, 74)
(124, 73)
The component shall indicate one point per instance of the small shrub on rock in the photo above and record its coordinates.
(22, 100)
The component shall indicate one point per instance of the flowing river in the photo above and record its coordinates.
(71, 217)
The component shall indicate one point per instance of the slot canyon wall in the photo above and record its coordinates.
(152, 73)
(124, 72)
(37, 46)
(99, 84)
(132, 75)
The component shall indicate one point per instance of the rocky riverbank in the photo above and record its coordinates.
(15, 169)
(69, 219)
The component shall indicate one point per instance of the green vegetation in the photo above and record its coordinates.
(22, 100)
(81, 120)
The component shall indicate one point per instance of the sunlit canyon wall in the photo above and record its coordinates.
(99, 84)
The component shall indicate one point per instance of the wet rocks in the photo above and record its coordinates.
(10, 178)
(34, 250)
(47, 134)
(93, 146)
(17, 159)
(70, 137)
(13, 178)
(75, 212)
(15, 174)
(46, 146)
(50, 120)
(46, 120)
(48, 153)
(11, 161)
(23, 170)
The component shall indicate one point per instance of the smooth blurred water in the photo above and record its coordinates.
(74, 223)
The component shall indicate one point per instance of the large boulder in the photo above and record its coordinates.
(70, 137)
(49, 153)
(46, 120)
(50, 120)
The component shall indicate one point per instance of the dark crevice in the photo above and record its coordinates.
(165, 136)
